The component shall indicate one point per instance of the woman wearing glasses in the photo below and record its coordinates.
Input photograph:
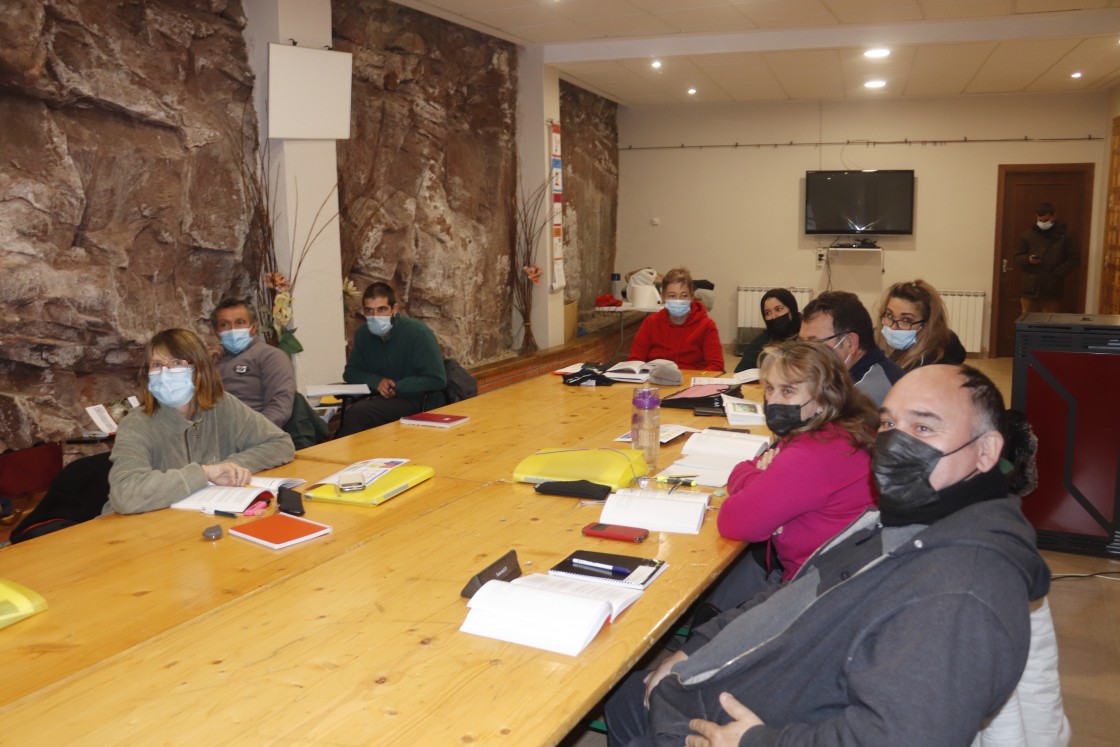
(915, 327)
(187, 432)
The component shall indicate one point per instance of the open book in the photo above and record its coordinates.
(636, 372)
(234, 500)
(680, 511)
(546, 612)
(709, 456)
(108, 416)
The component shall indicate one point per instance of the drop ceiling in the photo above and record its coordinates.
(785, 50)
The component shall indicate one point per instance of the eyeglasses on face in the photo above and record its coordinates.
(156, 366)
(903, 324)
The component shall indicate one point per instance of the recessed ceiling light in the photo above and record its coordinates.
(691, 91)
(1076, 75)
(875, 84)
(877, 52)
(656, 64)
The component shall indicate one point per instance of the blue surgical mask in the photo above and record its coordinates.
(236, 340)
(678, 307)
(172, 387)
(900, 339)
(379, 325)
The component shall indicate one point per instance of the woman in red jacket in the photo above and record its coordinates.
(682, 331)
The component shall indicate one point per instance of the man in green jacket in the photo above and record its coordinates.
(400, 360)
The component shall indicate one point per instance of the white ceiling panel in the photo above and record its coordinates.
(699, 20)
(1014, 66)
(946, 69)
(762, 50)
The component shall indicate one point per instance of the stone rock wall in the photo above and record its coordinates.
(589, 132)
(426, 177)
(121, 208)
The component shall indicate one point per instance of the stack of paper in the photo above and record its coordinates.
(709, 456)
(680, 511)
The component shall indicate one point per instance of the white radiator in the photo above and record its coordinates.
(750, 296)
(966, 316)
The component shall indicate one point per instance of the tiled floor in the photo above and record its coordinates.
(1087, 619)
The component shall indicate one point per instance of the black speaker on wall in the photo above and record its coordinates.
(1067, 382)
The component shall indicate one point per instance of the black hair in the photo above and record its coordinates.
(848, 315)
(380, 290)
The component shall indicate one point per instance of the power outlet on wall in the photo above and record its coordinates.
(822, 257)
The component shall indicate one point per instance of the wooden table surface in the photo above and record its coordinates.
(504, 429)
(156, 635)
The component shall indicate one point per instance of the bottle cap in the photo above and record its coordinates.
(616, 276)
(647, 398)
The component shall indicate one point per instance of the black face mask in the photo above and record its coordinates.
(781, 419)
(782, 327)
(902, 465)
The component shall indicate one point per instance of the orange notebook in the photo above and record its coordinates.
(280, 530)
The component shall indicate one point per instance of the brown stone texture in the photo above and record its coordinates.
(428, 172)
(121, 210)
(589, 142)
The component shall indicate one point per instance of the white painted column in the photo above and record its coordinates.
(538, 103)
(308, 172)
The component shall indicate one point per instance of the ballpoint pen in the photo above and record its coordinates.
(685, 480)
(600, 566)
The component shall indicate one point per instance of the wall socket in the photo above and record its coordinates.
(822, 257)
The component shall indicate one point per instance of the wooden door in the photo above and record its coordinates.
(1069, 188)
(1110, 269)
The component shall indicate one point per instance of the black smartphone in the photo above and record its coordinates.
(290, 502)
(707, 411)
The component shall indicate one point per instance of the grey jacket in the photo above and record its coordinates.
(157, 458)
(905, 636)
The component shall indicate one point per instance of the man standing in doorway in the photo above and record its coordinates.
(1047, 253)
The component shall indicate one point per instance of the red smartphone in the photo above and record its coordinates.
(615, 532)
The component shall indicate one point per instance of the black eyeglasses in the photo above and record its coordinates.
(903, 324)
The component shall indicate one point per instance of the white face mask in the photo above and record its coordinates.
(1045, 226)
(900, 339)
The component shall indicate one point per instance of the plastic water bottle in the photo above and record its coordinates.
(645, 423)
(617, 285)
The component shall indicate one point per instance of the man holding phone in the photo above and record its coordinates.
(1047, 253)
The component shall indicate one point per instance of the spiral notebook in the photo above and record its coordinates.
(609, 568)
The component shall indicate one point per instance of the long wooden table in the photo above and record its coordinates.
(155, 635)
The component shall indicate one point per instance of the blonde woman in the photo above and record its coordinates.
(812, 482)
(915, 327)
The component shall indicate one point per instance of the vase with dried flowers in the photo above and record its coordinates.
(527, 227)
(274, 290)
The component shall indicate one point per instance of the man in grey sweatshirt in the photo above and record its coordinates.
(908, 628)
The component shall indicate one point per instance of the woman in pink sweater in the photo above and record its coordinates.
(816, 477)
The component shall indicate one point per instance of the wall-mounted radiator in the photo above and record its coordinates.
(966, 316)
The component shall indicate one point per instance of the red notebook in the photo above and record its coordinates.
(435, 419)
(280, 530)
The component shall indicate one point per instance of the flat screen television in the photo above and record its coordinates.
(859, 202)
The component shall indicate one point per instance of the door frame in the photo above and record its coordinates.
(1081, 232)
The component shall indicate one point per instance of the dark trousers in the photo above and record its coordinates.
(626, 716)
(372, 412)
